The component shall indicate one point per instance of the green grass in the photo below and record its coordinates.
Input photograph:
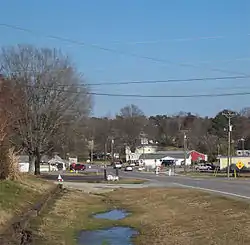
(17, 196)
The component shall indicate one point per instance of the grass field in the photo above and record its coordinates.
(17, 196)
(162, 216)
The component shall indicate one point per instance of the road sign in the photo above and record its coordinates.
(240, 165)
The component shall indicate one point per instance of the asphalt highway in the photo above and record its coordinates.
(221, 186)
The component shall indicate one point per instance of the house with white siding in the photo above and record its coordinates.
(152, 160)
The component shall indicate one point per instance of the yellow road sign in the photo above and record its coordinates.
(240, 165)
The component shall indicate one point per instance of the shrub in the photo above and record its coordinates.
(9, 166)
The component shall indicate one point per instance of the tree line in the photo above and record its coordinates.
(45, 107)
(205, 134)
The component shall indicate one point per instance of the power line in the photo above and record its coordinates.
(184, 39)
(195, 79)
(203, 62)
(105, 83)
(172, 96)
(77, 91)
(95, 46)
(167, 81)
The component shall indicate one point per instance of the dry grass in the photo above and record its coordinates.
(67, 217)
(9, 167)
(17, 196)
(182, 216)
(162, 216)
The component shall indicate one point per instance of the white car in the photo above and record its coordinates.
(118, 165)
(204, 167)
(128, 168)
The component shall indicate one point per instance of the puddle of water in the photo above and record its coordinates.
(112, 236)
(115, 214)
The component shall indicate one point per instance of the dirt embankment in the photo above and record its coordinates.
(19, 203)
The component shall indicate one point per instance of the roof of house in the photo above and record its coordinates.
(162, 154)
(55, 159)
(152, 156)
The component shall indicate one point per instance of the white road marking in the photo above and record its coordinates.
(215, 191)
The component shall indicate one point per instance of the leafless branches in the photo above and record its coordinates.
(48, 86)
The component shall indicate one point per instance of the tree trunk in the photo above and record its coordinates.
(37, 162)
(32, 159)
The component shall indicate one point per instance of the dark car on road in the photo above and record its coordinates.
(78, 167)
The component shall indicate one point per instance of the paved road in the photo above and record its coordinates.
(235, 188)
(73, 178)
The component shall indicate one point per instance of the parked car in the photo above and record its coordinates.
(78, 167)
(128, 168)
(205, 167)
(141, 168)
(167, 163)
(117, 165)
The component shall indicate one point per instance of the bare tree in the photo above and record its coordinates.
(130, 122)
(8, 100)
(51, 99)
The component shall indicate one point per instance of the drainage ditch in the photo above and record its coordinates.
(116, 235)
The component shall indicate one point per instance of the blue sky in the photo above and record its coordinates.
(160, 24)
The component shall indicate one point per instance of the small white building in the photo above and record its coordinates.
(57, 162)
(135, 156)
(178, 157)
(45, 165)
(23, 161)
(152, 160)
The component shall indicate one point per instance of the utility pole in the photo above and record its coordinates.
(229, 115)
(112, 150)
(105, 151)
(143, 143)
(92, 151)
(185, 150)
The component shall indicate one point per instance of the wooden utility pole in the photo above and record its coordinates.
(185, 150)
(105, 151)
(112, 150)
(229, 115)
(92, 151)
(143, 142)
